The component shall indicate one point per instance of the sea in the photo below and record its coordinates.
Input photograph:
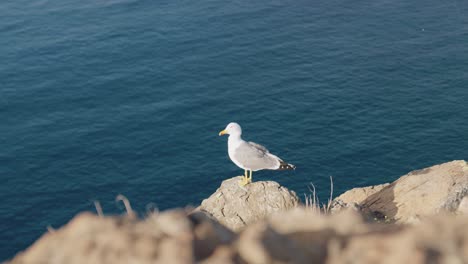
(106, 97)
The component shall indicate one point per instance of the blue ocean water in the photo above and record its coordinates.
(100, 98)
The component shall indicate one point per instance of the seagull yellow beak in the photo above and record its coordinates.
(223, 132)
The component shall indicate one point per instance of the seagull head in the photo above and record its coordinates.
(232, 129)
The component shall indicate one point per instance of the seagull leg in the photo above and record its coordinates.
(245, 179)
(250, 178)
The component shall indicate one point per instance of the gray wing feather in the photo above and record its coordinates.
(255, 157)
(259, 147)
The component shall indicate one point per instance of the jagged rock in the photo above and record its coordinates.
(301, 236)
(235, 206)
(171, 237)
(338, 205)
(209, 236)
(358, 195)
(463, 207)
(223, 255)
(297, 236)
(419, 193)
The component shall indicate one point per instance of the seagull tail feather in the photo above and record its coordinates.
(286, 166)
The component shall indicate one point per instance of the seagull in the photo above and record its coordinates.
(250, 156)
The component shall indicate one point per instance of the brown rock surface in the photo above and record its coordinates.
(417, 194)
(300, 236)
(295, 236)
(358, 195)
(463, 207)
(171, 237)
(235, 206)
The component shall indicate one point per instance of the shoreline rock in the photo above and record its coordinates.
(417, 194)
(236, 207)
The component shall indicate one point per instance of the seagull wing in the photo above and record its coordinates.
(256, 157)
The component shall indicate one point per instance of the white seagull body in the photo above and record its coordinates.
(249, 155)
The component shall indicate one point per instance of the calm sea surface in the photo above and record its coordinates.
(100, 98)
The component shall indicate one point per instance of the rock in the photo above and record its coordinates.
(297, 236)
(301, 236)
(417, 194)
(338, 205)
(236, 207)
(171, 237)
(358, 195)
(209, 236)
(463, 207)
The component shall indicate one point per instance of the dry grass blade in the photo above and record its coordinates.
(127, 205)
(330, 199)
(312, 201)
(98, 207)
(50, 229)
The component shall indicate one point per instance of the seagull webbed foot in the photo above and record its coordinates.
(244, 181)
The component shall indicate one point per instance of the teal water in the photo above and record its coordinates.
(100, 98)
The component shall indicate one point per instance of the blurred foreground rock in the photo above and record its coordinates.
(235, 206)
(301, 236)
(171, 237)
(295, 236)
(440, 188)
